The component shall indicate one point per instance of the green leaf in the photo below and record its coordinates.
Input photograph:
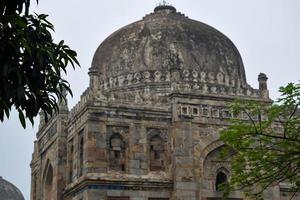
(32, 63)
(22, 118)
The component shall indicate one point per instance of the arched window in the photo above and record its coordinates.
(220, 180)
(71, 154)
(48, 183)
(81, 149)
(116, 153)
(157, 152)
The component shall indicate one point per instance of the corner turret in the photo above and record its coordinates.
(263, 87)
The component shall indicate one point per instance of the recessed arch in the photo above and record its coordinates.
(213, 146)
(215, 166)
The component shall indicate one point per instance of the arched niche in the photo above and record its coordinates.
(221, 178)
(216, 168)
(116, 152)
(157, 153)
(207, 150)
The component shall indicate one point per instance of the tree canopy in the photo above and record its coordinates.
(267, 143)
(31, 63)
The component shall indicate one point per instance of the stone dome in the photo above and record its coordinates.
(167, 40)
(8, 191)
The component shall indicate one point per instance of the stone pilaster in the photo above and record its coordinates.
(185, 185)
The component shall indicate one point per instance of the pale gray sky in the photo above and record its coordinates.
(266, 32)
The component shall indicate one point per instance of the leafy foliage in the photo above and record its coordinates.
(267, 144)
(31, 63)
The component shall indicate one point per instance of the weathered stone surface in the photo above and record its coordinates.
(166, 40)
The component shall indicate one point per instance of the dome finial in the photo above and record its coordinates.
(164, 5)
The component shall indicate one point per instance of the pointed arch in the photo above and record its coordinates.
(213, 146)
(221, 179)
(81, 154)
(48, 181)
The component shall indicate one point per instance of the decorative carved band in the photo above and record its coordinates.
(209, 111)
(191, 79)
(186, 81)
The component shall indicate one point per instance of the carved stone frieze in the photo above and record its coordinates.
(189, 81)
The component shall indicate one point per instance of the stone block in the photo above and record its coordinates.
(140, 156)
(137, 171)
(134, 164)
(186, 186)
(144, 165)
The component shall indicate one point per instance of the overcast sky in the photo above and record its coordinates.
(266, 32)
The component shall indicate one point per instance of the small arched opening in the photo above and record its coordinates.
(221, 179)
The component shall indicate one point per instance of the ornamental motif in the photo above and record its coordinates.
(216, 84)
(209, 111)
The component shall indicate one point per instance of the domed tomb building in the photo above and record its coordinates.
(147, 127)
(8, 191)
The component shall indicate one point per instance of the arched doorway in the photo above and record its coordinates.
(220, 180)
(48, 183)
